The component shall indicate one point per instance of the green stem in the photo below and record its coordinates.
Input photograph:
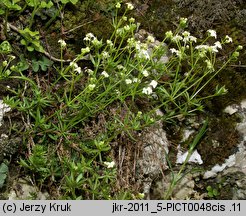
(6, 23)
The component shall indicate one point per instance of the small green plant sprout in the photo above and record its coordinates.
(177, 177)
(69, 1)
(37, 5)
(5, 7)
(43, 63)
(31, 40)
(9, 5)
(3, 173)
(41, 164)
(212, 192)
(102, 94)
(5, 47)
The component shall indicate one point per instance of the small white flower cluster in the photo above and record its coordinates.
(110, 164)
(212, 33)
(177, 52)
(121, 67)
(188, 37)
(150, 39)
(149, 89)
(129, 6)
(185, 37)
(140, 48)
(85, 50)
(145, 73)
(130, 81)
(89, 71)
(110, 43)
(62, 43)
(75, 67)
(105, 55)
(105, 74)
(183, 22)
(126, 29)
(91, 38)
(206, 48)
(91, 86)
(228, 39)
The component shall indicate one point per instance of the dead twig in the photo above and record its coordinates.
(79, 26)
(243, 66)
(14, 28)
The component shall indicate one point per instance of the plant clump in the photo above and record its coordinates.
(59, 106)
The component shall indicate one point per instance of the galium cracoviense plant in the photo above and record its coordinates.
(121, 70)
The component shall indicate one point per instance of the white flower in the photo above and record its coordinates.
(139, 114)
(89, 37)
(73, 64)
(105, 74)
(89, 71)
(145, 73)
(135, 80)
(153, 83)
(188, 37)
(124, 18)
(150, 39)
(109, 42)
(183, 21)
(128, 81)
(130, 6)
(143, 54)
(173, 50)
(12, 57)
(105, 54)
(4, 63)
(177, 52)
(147, 90)
(117, 92)
(63, 43)
(118, 5)
(120, 31)
(121, 67)
(240, 47)
(96, 42)
(228, 39)
(127, 27)
(131, 20)
(202, 47)
(85, 50)
(109, 164)
(192, 39)
(91, 86)
(186, 34)
(177, 38)
(131, 42)
(169, 34)
(235, 54)
(217, 44)
(212, 33)
(213, 49)
(78, 70)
